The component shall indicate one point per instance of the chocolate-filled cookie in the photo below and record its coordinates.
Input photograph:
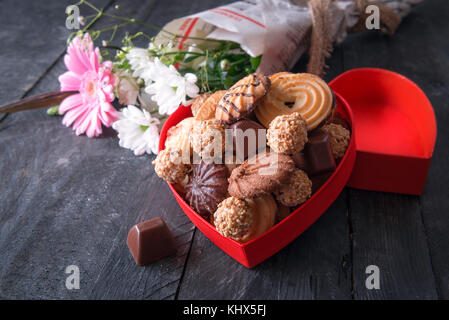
(207, 187)
(260, 175)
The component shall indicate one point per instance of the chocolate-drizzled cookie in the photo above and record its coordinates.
(241, 98)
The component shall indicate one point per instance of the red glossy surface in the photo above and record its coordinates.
(395, 130)
(257, 250)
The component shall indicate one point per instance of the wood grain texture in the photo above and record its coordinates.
(433, 79)
(388, 229)
(33, 37)
(71, 200)
(68, 200)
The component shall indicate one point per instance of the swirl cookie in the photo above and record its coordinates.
(241, 98)
(209, 106)
(260, 175)
(302, 92)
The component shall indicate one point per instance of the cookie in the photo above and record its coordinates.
(339, 138)
(302, 92)
(287, 133)
(241, 98)
(209, 106)
(207, 187)
(296, 190)
(245, 219)
(169, 165)
(260, 175)
(208, 138)
(178, 137)
(198, 102)
(282, 212)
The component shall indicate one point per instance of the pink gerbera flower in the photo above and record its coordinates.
(94, 81)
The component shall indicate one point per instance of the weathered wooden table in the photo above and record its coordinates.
(69, 200)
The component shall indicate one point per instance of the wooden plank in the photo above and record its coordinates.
(314, 266)
(71, 200)
(433, 79)
(388, 233)
(388, 228)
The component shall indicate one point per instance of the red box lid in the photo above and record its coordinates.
(395, 130)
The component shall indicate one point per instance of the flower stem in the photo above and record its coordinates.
(39, 101)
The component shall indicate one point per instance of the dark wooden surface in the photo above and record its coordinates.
(69, 200)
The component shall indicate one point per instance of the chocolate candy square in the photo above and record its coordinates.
(150, 240)
(318, 154)
(248, 137)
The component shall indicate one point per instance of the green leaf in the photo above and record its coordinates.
(255, 62)
(191, 58)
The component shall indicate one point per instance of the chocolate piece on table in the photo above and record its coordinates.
(245, 137)
(150, 240)
(318, 153)
(208, 186)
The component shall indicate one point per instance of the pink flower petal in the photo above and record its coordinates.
(70, 102)
(81, 123)
(69, 81)
(94, 127)
(74, 64)
(74, 114)
(107, 114)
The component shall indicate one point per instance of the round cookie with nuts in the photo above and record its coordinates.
(245, 219)
(287, 133)
(339, 138)
(296, 190)
(170, 165)
(208, 138)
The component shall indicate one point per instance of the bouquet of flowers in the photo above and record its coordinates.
(150, 83)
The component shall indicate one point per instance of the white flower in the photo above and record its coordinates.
(137, 130)
(166, 85)
(140, 61)
(169, 88)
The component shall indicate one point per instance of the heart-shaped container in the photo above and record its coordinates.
(257, 250)
(393, 134)
(395, 129)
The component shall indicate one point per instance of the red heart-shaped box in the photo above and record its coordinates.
(393, 134)
(257, 250)
(395, 129)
